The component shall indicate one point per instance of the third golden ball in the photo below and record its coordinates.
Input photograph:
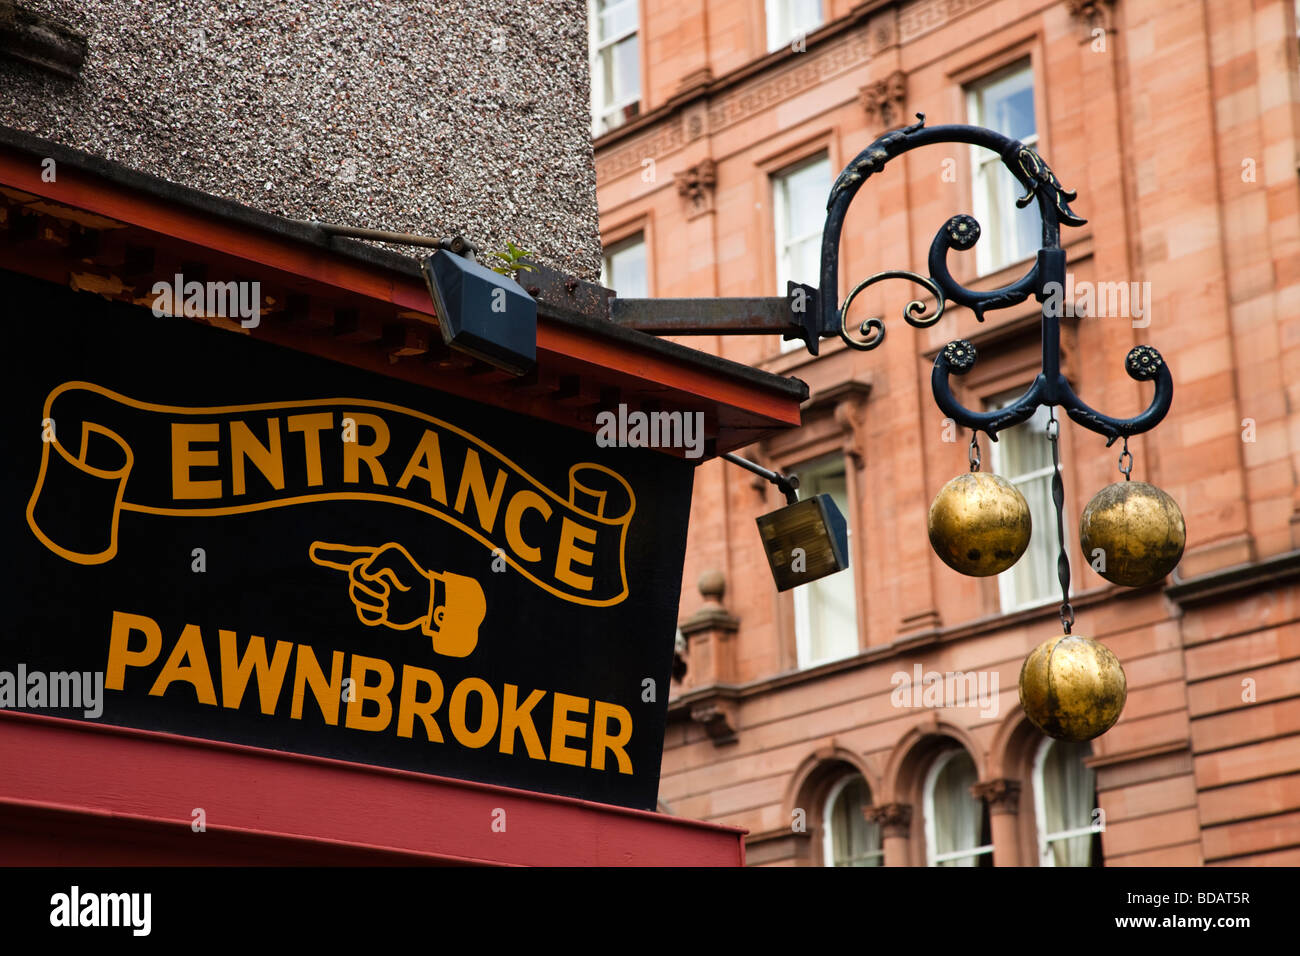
(1072, 688)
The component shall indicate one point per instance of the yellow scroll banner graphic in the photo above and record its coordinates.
(233, 459)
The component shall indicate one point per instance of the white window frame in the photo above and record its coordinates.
(603, 113)
(931, 778)
(802, 604)
(1045, 855)
(781, 28)
(988, 252)
(828, 838)
(780, 222)
(1006, 582)
(607, 257)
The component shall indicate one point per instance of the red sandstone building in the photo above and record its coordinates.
(719, 127)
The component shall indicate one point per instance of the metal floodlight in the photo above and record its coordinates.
(805, 541)
(482, 313)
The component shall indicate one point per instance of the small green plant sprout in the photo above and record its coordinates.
(512, 263)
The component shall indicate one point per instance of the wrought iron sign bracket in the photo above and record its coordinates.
(811, 314)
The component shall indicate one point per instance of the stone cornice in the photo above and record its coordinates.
(1234, 582)
(712, 105)
(703, 85)
(680, 706)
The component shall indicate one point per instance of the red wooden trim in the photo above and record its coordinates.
(159, 779)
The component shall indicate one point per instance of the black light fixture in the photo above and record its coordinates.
(482, 313)
(805, 540)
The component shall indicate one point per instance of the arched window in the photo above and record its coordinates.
(850, 838)
(957, 830)
(1065, 795)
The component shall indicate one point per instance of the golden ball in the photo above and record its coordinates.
(1072, 688)
(1138, 530)
(979, 524)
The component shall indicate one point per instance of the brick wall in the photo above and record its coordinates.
(1177, 123)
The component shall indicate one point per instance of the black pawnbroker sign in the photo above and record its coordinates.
(240, 542)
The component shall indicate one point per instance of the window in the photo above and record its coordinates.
(789, 19)
(850, 839)
(1003, 102)
(957, 830)
(1023, 456)
(623, 268)
(825, 610)
(615, 63)
(799, 210)
(1065, 794)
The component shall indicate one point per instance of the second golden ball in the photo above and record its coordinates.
(1136, 529)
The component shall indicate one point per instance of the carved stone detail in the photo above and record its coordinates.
(719, 719)
(1091, 15)
(885, 100)
(1002, 795)
(850, 415)
(925, 16)
(895, 819)
(696, 185)
(808, 71)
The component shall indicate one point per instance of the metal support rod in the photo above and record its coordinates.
(1058, 502)
(732, 316)
(786, 483)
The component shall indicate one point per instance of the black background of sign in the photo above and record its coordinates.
(260, 581)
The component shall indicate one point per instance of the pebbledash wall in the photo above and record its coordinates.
(1177, 122)
(430, 117)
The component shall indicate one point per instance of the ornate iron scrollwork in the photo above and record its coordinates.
(1045, 280)
(873, 329)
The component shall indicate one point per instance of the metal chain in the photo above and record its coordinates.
(973, 454)
(1124, 469)
(1058, 499)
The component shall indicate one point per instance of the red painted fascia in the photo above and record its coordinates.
(92, 770)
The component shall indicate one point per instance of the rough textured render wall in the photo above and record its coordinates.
(425, 116)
